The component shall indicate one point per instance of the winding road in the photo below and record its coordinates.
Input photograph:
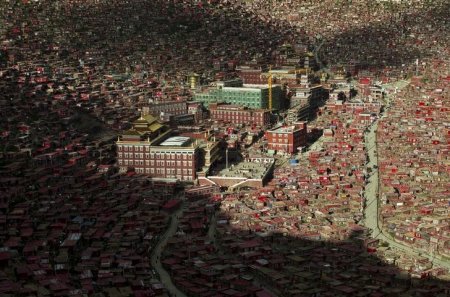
(156, 255)
(371, 212)
(212, 231)
(316, 53)
(371, 215)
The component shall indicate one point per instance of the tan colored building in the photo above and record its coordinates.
(159, 109)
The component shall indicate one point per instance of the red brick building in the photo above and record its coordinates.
(165, 161)
(250, 75)
(287, 139)
(147, 148)
(195, 108)
(239, 114)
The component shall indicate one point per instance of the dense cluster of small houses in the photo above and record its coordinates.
(74, 74)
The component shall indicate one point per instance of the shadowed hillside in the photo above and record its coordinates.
(253, 254)
(192, 34)
(168, 40)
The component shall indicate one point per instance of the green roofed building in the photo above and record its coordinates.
(252, 96)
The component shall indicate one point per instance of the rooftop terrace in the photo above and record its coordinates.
(246, 169)
(176, 141)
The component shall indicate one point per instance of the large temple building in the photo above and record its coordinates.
(149, 148)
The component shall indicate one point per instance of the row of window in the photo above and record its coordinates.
(281, 140)
(170, 105)
(155, 163)
(280, 135)
(244, 99)
(154, 156)
(238, 113)
(171, 111)
(276, 145)
(168, 109)
(166, 172)
(248, 104)
(142, 148)
(240, 120)
(234, 117)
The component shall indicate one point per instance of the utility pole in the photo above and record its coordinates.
(417, 67)
(269, 82)
(226, 158)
